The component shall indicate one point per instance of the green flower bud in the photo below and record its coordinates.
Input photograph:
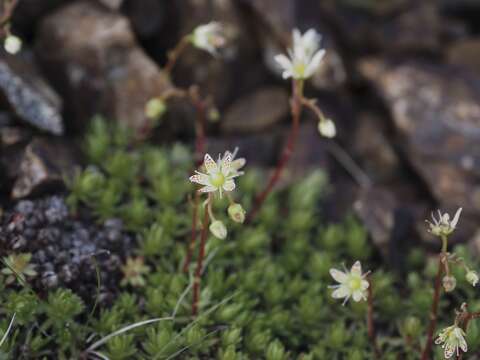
(155, 108)
(218, 229)
(472, 277)
(449, 283)
(236, 213)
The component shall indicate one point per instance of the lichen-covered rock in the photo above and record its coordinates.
(257, 111)
(92, 56)
(28, 95)
(63, 248)
(44, 165)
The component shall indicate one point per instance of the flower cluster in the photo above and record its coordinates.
(218, 178)
(443, 226)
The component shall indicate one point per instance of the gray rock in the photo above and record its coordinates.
(91, 54)
(43, 165)
(29, 96)
(257, 111)
(436, 112)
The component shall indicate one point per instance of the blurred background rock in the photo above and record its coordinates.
(401, 79)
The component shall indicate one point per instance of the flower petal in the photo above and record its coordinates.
(229, 185)
(454, 222)
(208, 188)
(200, 178)
(358, 296)
(226, 163)
(283, 61)
(238, 163)
(209, 163)
(341, 292)
(314, 63)
(357, 268)
(338, 275)
(364, 285)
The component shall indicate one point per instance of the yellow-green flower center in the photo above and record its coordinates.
(217, 179)
(299, 68)
(355, 282)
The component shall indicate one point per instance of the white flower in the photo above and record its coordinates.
(219, 175)
(352, 283)
(443, 226)
(453, 339)
(155, 108)
(209, 37)
(304, 58)
(12, 44)
(472, 277)
(327, 128)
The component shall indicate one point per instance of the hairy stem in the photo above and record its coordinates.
(370, 322)
(198, 270)
(434, 310)
(193, 234)
(296, 110)
(174, 54)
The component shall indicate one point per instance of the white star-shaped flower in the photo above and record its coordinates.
(352, 283)
(219, 175)
(452, 339)
(209, 37)
(304, 57)
(443, 226)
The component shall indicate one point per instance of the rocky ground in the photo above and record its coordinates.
(401, 79)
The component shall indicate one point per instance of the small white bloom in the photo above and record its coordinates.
(443, 226)
(327, 128)
(453, 339)
(209, 37)
(218, 229)
(219, 175)
(12, 44)
(472, 277)
(155, 108)
(352, 283)
(304, 57)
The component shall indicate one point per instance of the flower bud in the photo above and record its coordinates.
(218, 229)
(472, 277)
(449, 283)
(12, 44)
(236, 213)
(155, 108)
(327, 128)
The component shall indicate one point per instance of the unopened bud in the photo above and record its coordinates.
(472, 277)
(218, 229)
(155, 108)
(236, 213)
(327, 128)
(449, 283)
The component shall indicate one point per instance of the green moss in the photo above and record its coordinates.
(265, 289)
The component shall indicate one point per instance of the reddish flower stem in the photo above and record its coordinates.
(434, 310)
(193, 234)
(174, 54)
(466, 320)
(198, 270)
(370, 322)
(296, 110)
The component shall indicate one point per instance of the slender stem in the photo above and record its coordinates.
(434, 310)
(193, 235)
(174, 54)
(296, 110)
(198, 270)
(370, 322)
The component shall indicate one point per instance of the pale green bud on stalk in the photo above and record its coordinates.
(449, 283)
(218, 229)
(472, 277)
(326, 127)
(236, 213)
(155, 108)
